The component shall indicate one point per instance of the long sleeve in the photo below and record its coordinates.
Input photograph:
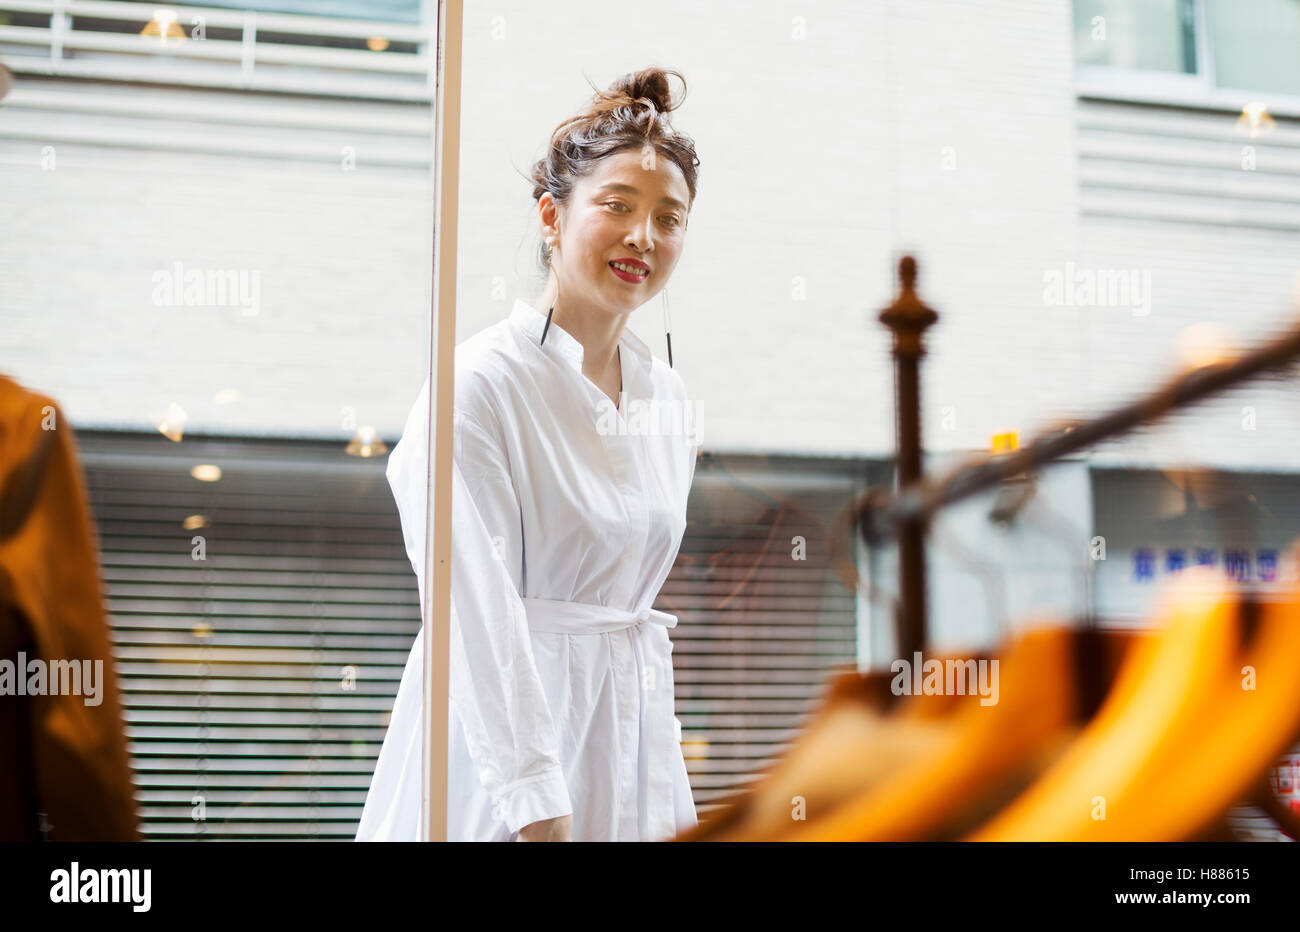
(495, 684)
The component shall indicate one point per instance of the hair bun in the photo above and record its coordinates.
(650, 85)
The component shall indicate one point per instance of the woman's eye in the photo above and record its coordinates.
(672, 220)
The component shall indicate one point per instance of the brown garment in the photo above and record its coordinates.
(60, 756)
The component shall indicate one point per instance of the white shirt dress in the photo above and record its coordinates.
(567, 517)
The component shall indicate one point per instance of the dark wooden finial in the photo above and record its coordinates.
(907, 273)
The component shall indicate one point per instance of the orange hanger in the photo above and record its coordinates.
(985, 753)
(856, 735)
(1178, 742)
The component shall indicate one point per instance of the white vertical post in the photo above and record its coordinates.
(248, 48)
(58, 29)
(442, 344)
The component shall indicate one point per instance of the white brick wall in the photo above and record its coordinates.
(832, 137)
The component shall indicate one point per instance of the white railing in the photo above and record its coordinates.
(65, 47)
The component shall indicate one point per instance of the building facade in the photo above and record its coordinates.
(236, 226)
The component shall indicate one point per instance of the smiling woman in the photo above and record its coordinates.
(567, 521)
(631, 115)
(614, 194)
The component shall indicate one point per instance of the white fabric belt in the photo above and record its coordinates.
(563, 617)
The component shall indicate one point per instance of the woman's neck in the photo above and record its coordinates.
(598, 334)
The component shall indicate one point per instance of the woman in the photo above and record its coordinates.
(567, 516)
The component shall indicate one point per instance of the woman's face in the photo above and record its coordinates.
(630, 210)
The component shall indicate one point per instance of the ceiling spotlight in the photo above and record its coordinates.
(165, 26)
(1254, 120)
(172, 424)
(366, 443)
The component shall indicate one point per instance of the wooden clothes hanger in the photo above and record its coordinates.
(986, 753)
(1172, 751)
(852, 739)
(938, 765)
(1052, 680)
(1177, 742)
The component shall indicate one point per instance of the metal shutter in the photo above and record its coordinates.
(233, 668)
(759, 631)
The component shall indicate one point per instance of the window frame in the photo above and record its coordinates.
(1183, 90)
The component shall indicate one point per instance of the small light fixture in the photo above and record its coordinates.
(1005, 443)
(377, 43)
(695, 749)
(365, 443)
(172, 424)
(194, 522)
(165, 26)
(1255, 120)
(206, 472)
(226, 396)
(1015, 490)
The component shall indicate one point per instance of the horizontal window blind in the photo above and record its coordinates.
(762, 619)
(258, 680)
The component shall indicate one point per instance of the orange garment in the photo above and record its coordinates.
(61, 756)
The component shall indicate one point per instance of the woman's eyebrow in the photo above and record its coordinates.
(629, 189)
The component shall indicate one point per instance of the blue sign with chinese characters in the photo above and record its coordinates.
(1236, 562)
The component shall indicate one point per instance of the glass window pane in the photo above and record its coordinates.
(387, 11)
(1147, 35)
(1259, 51)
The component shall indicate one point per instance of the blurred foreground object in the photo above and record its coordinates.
(1066, 732)
(66, 774)
(1092, 735)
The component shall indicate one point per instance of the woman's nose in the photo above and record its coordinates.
(642, 235)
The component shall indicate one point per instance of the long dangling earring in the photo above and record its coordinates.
(667, 331)
(548, 325)
(550, 245)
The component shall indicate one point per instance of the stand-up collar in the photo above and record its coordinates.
(531, 322)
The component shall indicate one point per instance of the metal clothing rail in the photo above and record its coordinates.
(880, 516)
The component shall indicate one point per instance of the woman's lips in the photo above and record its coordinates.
(628, 277)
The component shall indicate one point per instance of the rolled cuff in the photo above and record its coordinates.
(543, 796)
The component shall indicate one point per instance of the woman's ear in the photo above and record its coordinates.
(549, 215)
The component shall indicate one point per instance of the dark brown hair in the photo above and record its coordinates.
(633, 112)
